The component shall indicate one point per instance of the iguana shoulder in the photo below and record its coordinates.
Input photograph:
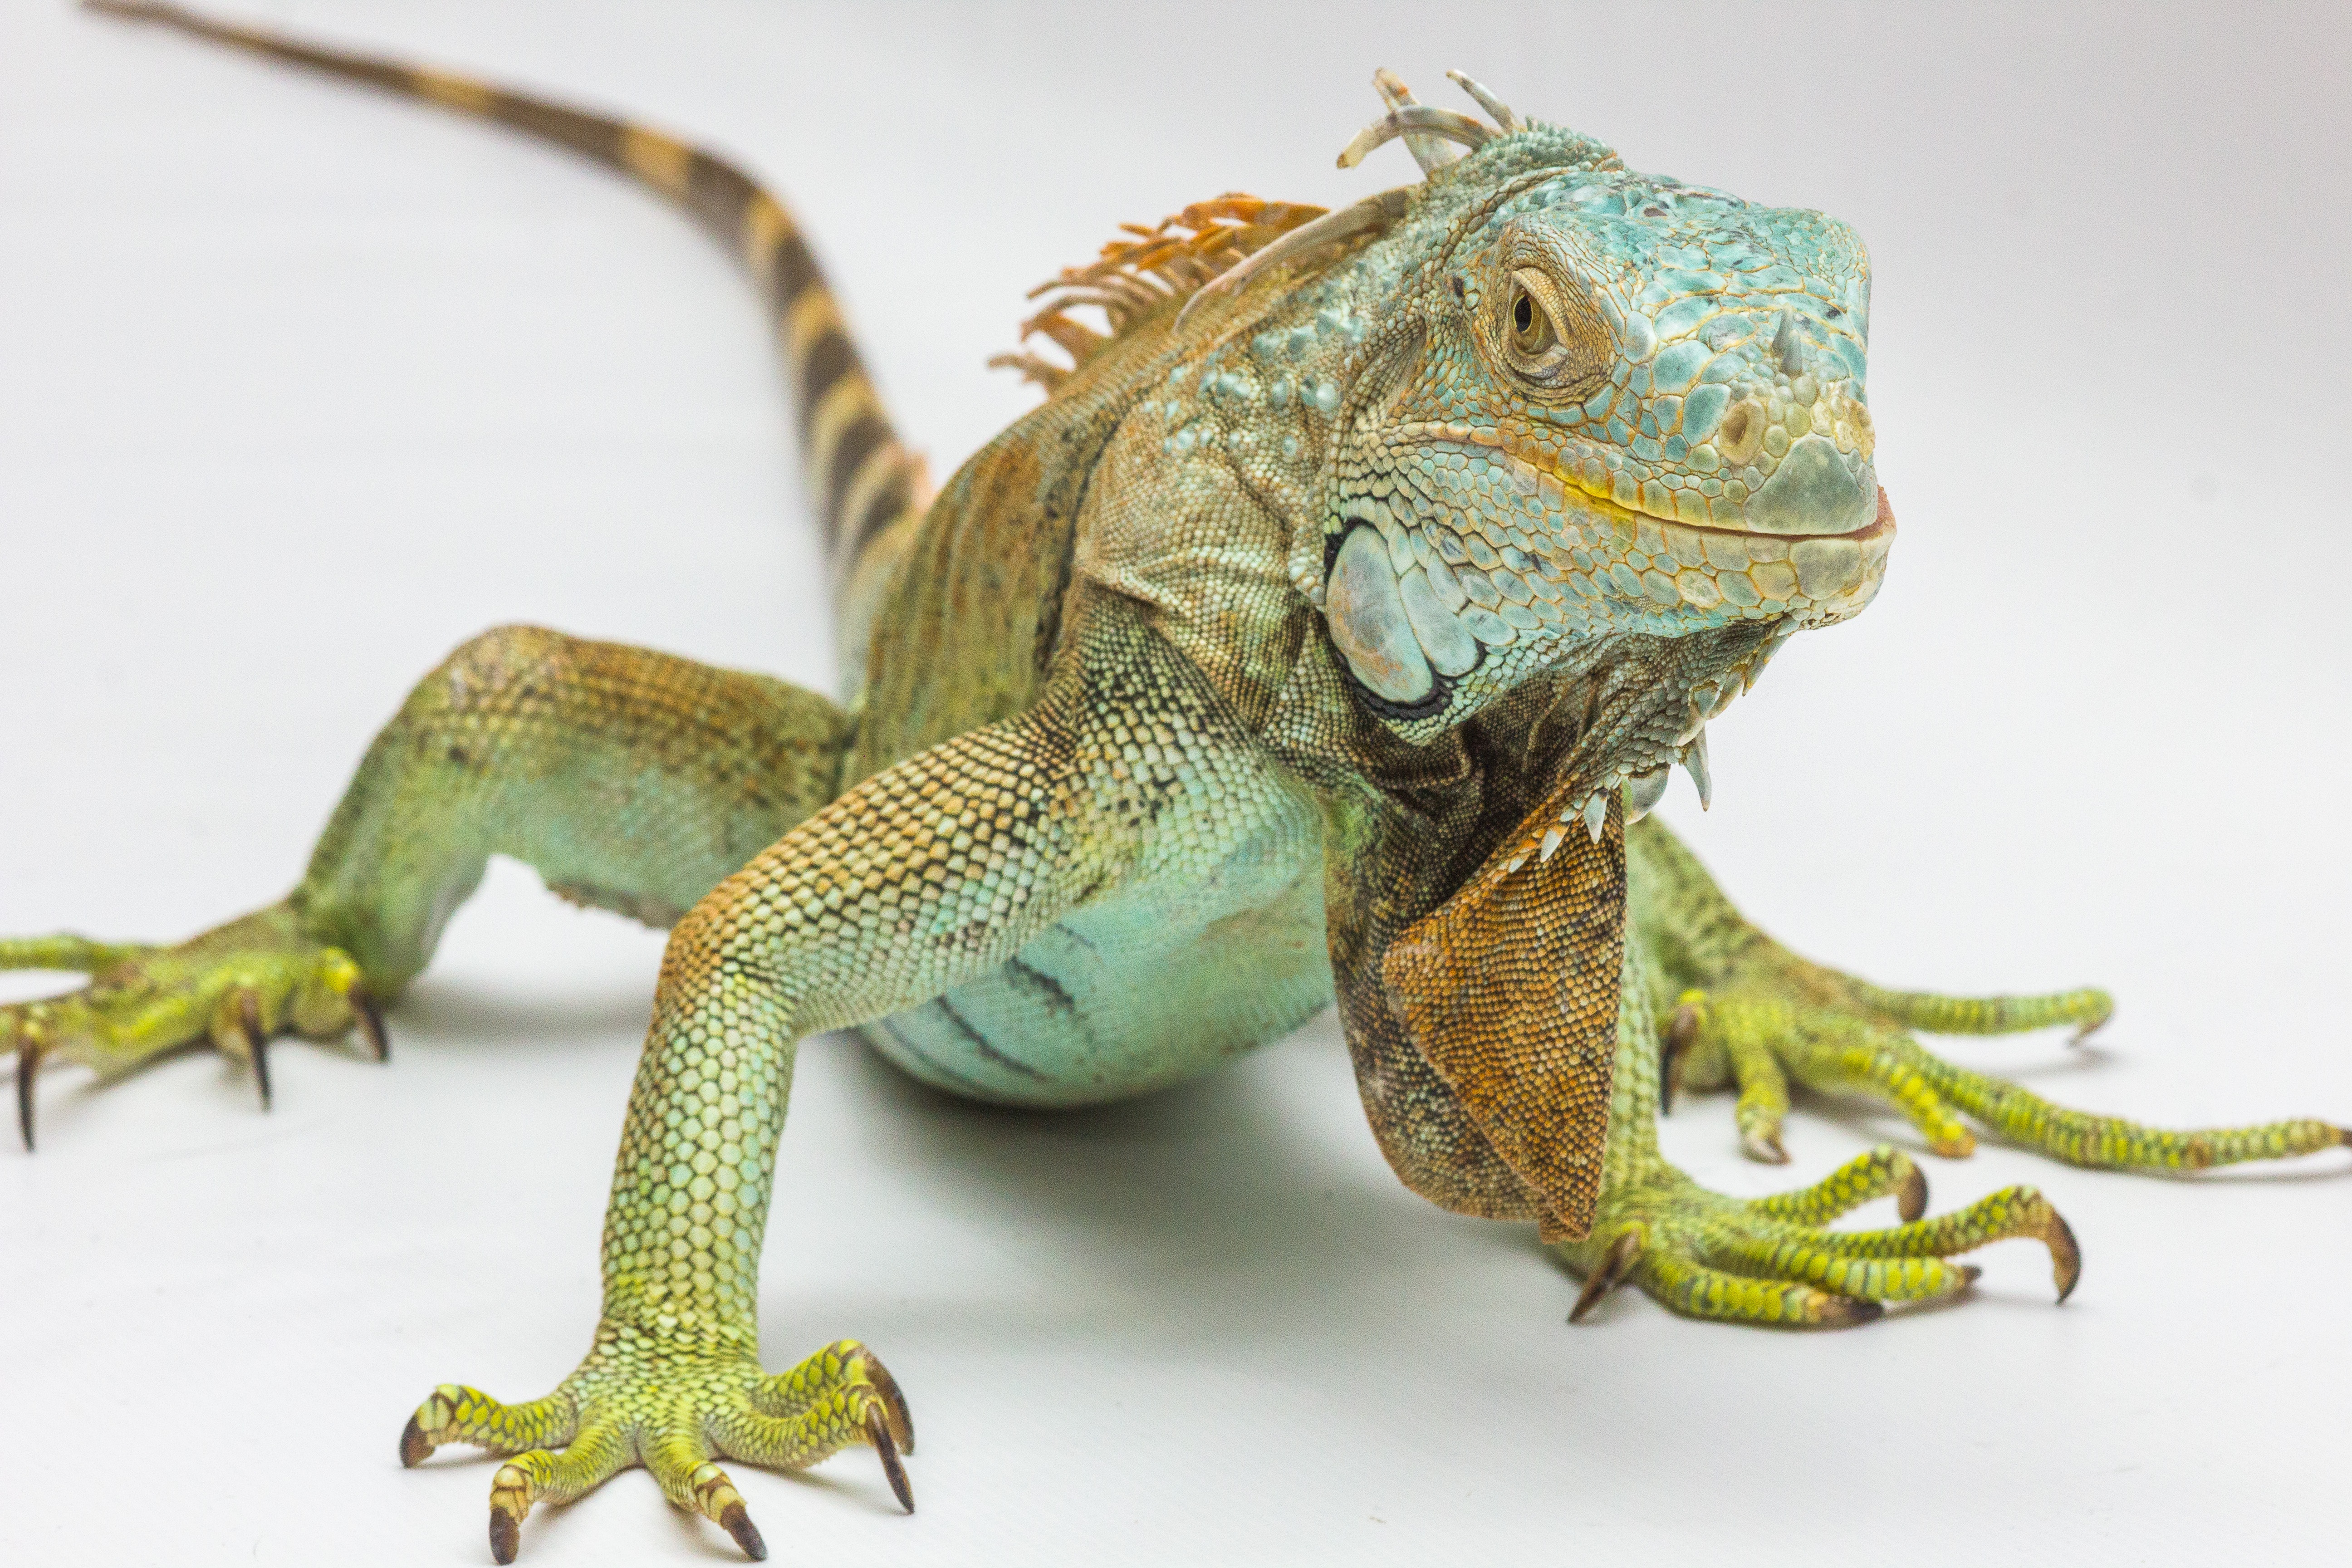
(1083, 488)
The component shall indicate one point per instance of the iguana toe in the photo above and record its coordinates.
(641, 1398)
(236, 988)
(1769, 1261)
(1764, 1032)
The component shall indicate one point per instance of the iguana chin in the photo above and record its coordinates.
(1326, 634)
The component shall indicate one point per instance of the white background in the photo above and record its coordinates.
(301, 386)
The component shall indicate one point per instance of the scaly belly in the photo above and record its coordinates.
(1155, 982)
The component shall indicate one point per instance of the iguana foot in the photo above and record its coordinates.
(639, 1399)
(237, 986)
(1796, 1021)
(1768, 1261)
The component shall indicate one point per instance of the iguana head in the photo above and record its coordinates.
(1586, 403)
(1541, 411)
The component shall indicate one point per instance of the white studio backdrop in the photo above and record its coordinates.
(301, 385)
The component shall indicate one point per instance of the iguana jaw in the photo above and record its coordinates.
(1436, 613)
(1647, 703)
(1635, 608)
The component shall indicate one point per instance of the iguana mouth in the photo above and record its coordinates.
(1819, 497)
(1816, 488)
(1405, 649)
(1400, 611)
(1882, 521)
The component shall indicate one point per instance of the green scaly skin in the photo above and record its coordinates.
(1745, 1012)
(1386, 573)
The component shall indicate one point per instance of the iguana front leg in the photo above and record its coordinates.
(922, 877)
(629, 779)
(1742, 1010)
(1772, 1261)
(1490, 1083)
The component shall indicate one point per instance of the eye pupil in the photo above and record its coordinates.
(1528, 325)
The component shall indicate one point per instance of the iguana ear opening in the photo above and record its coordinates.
(1510, 990)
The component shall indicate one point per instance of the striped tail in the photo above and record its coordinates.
(868, 490)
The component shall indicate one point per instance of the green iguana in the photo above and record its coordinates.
(1326, 634)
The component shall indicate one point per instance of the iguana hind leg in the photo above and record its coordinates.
(629, 779)
(1744, 1011)
(1859, 1048)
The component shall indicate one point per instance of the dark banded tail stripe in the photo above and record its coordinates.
(861, 479)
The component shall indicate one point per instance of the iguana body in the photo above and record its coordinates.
(1316, 639)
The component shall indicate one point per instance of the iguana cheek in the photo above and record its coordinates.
(1366, 612)
(1440, 632)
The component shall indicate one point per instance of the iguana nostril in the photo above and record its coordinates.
(1741, 433)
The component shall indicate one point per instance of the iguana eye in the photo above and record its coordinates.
(1541, 323)
(1532, 329)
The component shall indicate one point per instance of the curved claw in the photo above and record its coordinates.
(416, 1447)
(257, 1037)
(736, 1520)
(1849, 1311)
(2066, 1255)
(510, 1501)
(1613, 1267)
(29, 1052)
(716, 1499)
(1765, 1147)
(902, 1420)
(877, 1432)
(370, 1019)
